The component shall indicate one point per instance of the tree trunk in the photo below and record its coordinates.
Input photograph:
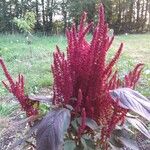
(51, 17)
(118, 22)
(43, 15)
(142, 16)
(138, 15)
(37, 15)
(64, 13)
(131, 12)
(146, 12)
(47, 15)
(4, 11)
(11, 16)
(149, 17)
(16, 8)
(65, 22)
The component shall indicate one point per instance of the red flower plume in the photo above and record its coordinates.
(85, 76)
(17, 88)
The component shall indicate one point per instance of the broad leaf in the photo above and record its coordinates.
(114, 147)
(122, 138)
(88, 144)
(43, 99)
(69, 107)
(143, 141)
(114, 140)
(69, 145)
(133, 100)
(89, 123)
(129, 143)
(75, 124)
(139, 125)
(50, 133)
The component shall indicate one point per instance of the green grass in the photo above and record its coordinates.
(6, 109)
(34, 60)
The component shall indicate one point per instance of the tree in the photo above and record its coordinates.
(50, 10)
(76, 8)
(122, 15)
(37, 25)
(27, 23)
(43, 15)
(3, 16)
(64, 7)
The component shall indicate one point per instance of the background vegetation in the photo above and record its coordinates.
(34, 60)
(122, 15)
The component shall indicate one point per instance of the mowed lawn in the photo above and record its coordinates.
(34, 60)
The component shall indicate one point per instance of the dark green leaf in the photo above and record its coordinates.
(69, 145)
(88, 144)
(74, 123)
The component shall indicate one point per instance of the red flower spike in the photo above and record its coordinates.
(111, 41)
(83, 19)
(79, 100)
(85, 32)
(113, 61)
(17, 88)
(133, 76)
(84, 75)
(6, 73)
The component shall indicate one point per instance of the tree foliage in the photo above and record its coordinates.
(122, 15)
(92, 107)
(27, 23)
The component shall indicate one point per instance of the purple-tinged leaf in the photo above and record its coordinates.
(69, 107)
(133, 100)
(113, 147)
(131, 116)
(50, 133)
(142, 141)
(139, 125)
(122, 138)
(43, 99)
(125, 127)
(129, 143)
(89, 123)
(114, 139)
